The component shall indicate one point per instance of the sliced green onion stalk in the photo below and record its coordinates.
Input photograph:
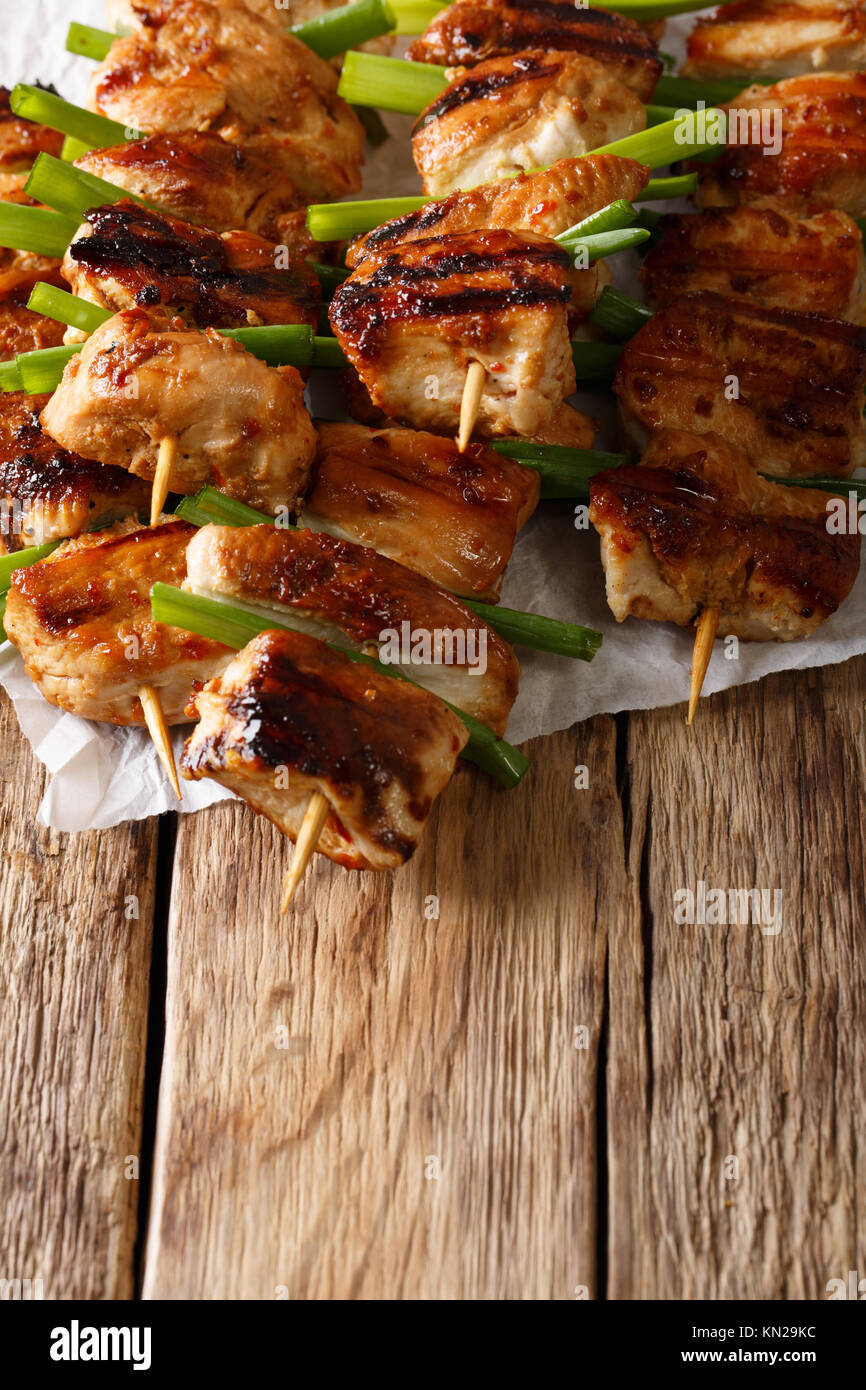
(235, 627)
(40, 230)
(330, 277)
(97, 132)
(20, 559)
(541, 634)
(342, 221)
(645, 10)
(677, 186)
(66, 308)
(564, 472)
(691, 91)
(608, 219)
(595, 361)
(413, 16)
(10, 377)
(335, 31)
(280, 345)
(73, 191)
(393, 84)
(664, 144)
(840, 487)
(89, 42)
(375, 128)
(72, 149)
(209, 506)
(592, 248)
(41, 371)
(618, 314)
(657, 115)
(328, 353)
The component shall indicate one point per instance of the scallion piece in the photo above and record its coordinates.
(330, 277)
(664, 144)
(657, 115)
(73, 191)
(594, 361)
(375, 128)
(677, 186)
(235, 627)
(39, 230)
(645, 10)
(20, 559)
(840, 487)
(210, 506)
(394, 84)
(73, 149)
(341, 221)
(618, 314)
(41, 371)
(283, 344)
(97, 132)
(608, 219)
(327, 352)
(591, 249)
(564, 472)
(413, 16)
(541, 634)
(89, 42)
(10, 377)
(66, 308)
(689, 91)
(335, 31)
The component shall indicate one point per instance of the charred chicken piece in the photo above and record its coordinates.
(546, 203)
(81, 620)
(415, 498)
(693, 526)
(126, 256)
(195, 65)
(786, 389)
(240, 424)
(822, 160)
(20, 142)
(380, 750)
(410, 321)
(353, 597)
(813, 266)
(469, 33)
(508, 115)
(758, 37)
(50, 494)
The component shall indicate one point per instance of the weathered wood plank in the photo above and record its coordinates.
(302, 1163)
(728, 1043)
(74, 974)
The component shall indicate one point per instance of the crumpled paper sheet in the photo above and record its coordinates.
(103, 775)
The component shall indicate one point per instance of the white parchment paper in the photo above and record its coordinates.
(103, 775)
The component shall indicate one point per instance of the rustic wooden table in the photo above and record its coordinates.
(550, 1090)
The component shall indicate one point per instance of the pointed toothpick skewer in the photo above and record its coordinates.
(154, 718)
(472, 391)
(164, 465)
(705, 636)
(305, 845)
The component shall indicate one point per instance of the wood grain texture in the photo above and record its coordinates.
(725, 1041)
(302, 1164)
(73, 979)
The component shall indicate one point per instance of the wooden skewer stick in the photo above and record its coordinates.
(308, 838)
(154, 718)
(164, 465)
(472, 392)
(705, 636)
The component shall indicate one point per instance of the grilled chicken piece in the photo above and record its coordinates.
(288, 709)
(814, 266)
(47, 494)
(414, 497)
(546, 203)
(353, 597)
(784, 388)
(198, 66)
(469, 33)
(200, 178)
(127, 15)
(81, 620)
(822, 162)
(21, 141)
(511, 114)
(411, 320)
(240, 424)
(125, 255)
(23, 331)
(693, 526)
(751, 39)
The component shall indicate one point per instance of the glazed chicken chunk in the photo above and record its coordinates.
(197, 66)
(508, 115)
(785, 389)
(757, 37)
(126, 256)
(48, 494)
(353, 597)
(822, 160)
(410, 321)
(813, 266)
(415, 498)
(240, 424)
(81, 620)
(289, 717)
(693, 526)
(20, 142)
(547, 203)
(468, 33)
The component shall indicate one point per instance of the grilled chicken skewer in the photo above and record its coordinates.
(755, 38)
(466, 34)
(81, 620)
(201, 66)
